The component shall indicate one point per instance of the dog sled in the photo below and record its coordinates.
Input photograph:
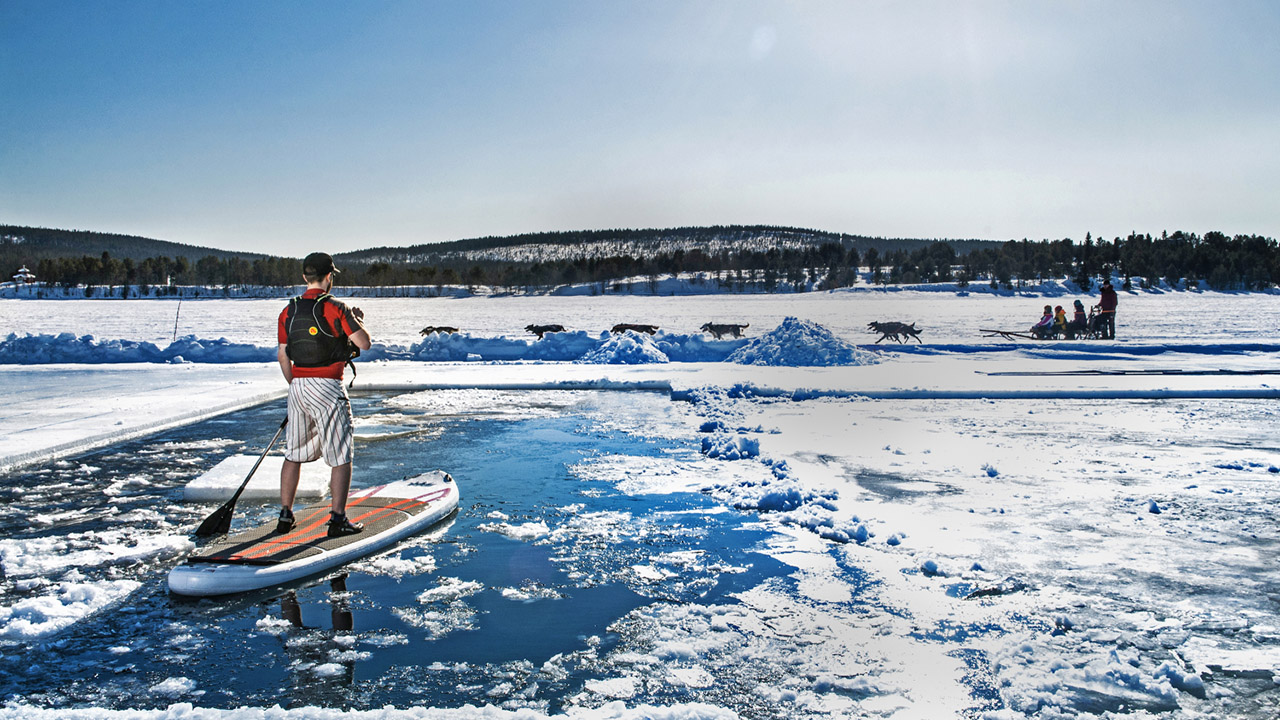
(1092, 330)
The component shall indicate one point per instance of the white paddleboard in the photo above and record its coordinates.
(259, 557)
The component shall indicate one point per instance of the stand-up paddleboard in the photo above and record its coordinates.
(260, 557)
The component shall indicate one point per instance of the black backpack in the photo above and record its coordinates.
(312, 342)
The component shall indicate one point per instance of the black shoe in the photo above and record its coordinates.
(285, 523)
(340, 526)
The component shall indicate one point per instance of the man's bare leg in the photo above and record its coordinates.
(339, 486)
(289, 474)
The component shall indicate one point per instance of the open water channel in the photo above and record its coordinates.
(515, 601)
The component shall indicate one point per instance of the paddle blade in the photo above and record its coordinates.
(216, 524)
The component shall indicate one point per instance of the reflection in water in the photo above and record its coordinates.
(331, 660)
(340, 613)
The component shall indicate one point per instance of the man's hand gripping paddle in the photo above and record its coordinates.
(220, 521)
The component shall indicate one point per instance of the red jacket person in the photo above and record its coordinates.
(1107, 302)
(316, 336)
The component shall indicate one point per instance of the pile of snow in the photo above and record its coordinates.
(629, 348)
(730, 447)
(800, 343)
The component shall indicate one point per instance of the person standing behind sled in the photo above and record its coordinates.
(1107, 302)
(316, 338)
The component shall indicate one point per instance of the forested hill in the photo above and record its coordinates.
(738, 258)
(30, 245)
(639, 243)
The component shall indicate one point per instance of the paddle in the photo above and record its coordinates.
(220, 521)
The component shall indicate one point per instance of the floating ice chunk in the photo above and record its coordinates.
(530, 592)
(174, 686)
(618, 688)
(69, 603)
(525, 531)
(450, 589)
(396, 565)
(220, 482)
(273, 625)
(349, 656)
(331, 669)
(651, 574)
(694, 677)
(31, 557)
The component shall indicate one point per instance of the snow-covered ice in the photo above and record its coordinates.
(954, 539)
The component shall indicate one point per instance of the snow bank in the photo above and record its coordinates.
(67, 348)
(605, 348)
(795, 343)
(800, 343)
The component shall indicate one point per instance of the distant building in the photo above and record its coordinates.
(24, 275)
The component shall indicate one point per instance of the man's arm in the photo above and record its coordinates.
(286, 366)
(361, 339)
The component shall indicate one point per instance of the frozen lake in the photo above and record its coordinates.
(943, 317)
(714, 552)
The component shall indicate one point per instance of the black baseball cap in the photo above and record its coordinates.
(318, 264)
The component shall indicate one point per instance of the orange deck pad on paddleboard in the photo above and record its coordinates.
(264, 546)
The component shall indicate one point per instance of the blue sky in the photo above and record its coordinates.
(290, 126)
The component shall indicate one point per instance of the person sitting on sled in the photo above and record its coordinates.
(1060, 321)
(1079, 322)
(1044, 329)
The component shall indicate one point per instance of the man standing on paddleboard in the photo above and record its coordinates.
(318, 336)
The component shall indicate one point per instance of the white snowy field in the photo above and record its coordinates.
(943, 316)
(1096, 545)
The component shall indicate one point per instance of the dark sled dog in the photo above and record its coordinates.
(442, 329)
(896, 330)
(623, 327)
(541, 330)
(720, 330)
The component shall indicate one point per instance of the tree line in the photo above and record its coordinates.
(1242, 262)
(162, 271)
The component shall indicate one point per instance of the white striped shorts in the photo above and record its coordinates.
(319, 422)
